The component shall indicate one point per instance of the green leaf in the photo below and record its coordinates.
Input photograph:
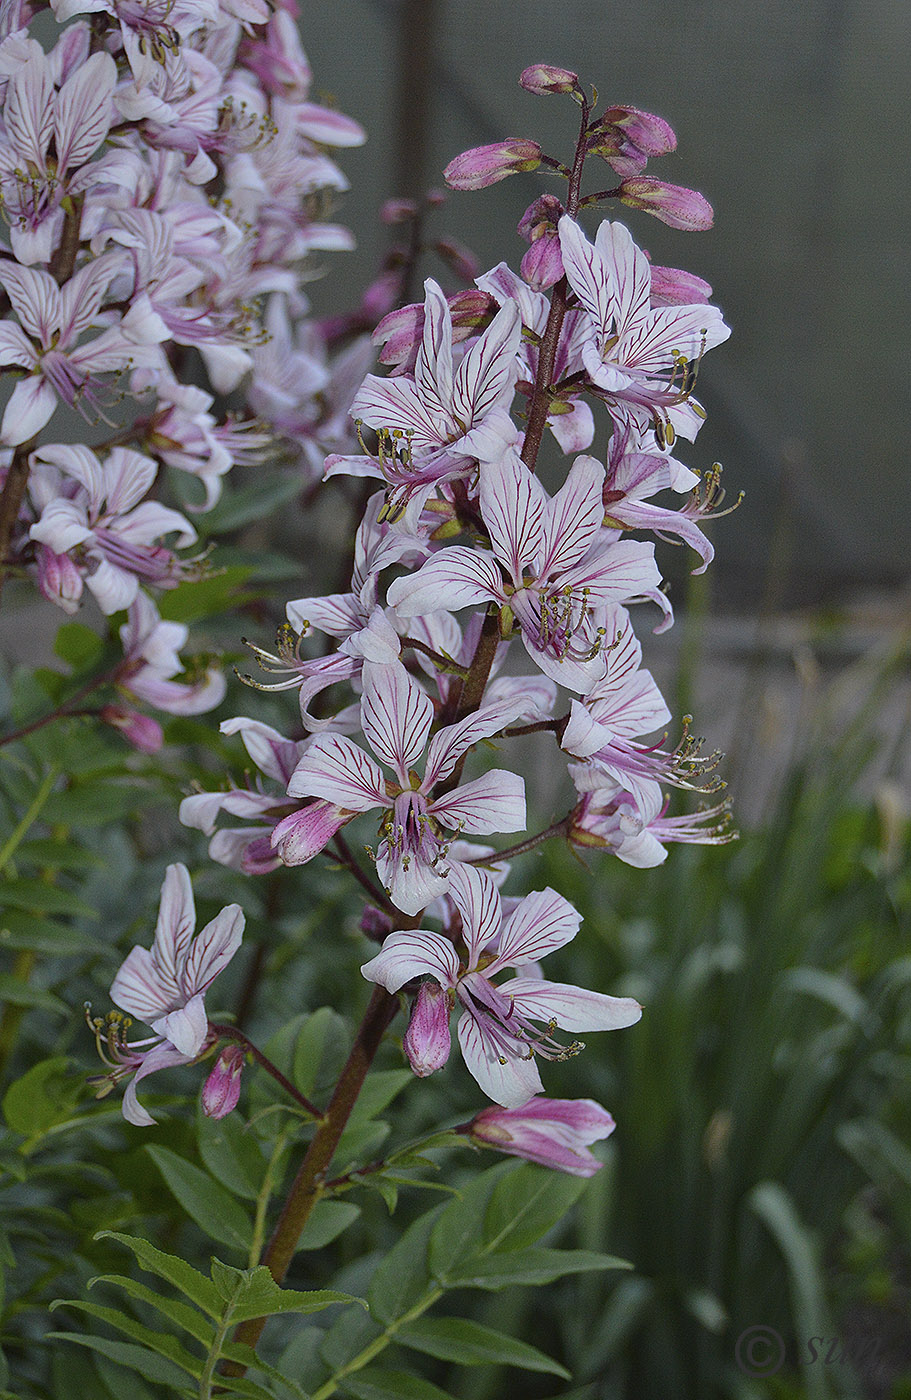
(254, 1293)
(327, 1221)
(238, 508)
(20, 993)
(471, 1344)
(77, 645)
(207, 1203)
(529, 1266)
(21, 930)
(403, 1277)
(93, 803)
(186, 1317)
(528, 1203)
(211, 596)
(321, 1050)
(231, 1154)
(145, 1363)
(774, 1207)
(58, 855)
(457, 1235)
(46, 899)
(376, 1383)
(42, 1097)
(187, 1280)
(161, 1343)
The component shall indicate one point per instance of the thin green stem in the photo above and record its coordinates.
(31, 816)
(265, 1195)
(212, 1360)
(378, 1344)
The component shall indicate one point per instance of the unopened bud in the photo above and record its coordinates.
(671, 286)
(672, 204)
(398, 211)
(652, 135)
(554, 1133)
(143, 732)
(374, 923)
(485, 165)
(59, 579)
(542, 265)
(542, 79)
(222, 1088)
(427, 1041)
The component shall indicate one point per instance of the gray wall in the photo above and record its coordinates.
(789, 118)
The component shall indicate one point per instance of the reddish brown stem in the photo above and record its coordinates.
(232, 1033)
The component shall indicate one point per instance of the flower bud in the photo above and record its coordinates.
(427, 1042)
(59, 579)
(374, 923)
(143, 732)
(542, 79)
(485, 165)
(398, 211)
(542, 265)
(671, 286)
(222, 1088)
(552, 1132)
(652, 135)
(672, 204)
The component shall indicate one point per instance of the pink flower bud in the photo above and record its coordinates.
(427, 1041)
(672, 204)
(400, 332)
(59, 579)
(542, 216)
(398, 211)
(458, 258)
(222, 1088)
(485, 165)
(542, 265)
(671, 286)
(552, 1132)
(143, 732)
(374, 923)
(649, 133)
(542, 79)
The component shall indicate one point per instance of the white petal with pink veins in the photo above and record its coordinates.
(414, 954)
(510, 1081)
(486, 377)
(84, 110)
(573, 1008)
(477, 899)
(494, 802)
(452, 579)
(396, 716)
(213, 948)
(573, 518)
(433, 365)
(543, 922)
(448, 744)
(337, 769)
(139, 987)
(176, 922)
(186, 1027)
(513, 504)
(31, 406)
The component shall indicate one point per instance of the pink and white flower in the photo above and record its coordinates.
(98, 517)
(151, 661)
(636, 828)
(548, 568)
(446, 419)
(640, 357)
(396, 718)
(496, 1033)
(166, 987)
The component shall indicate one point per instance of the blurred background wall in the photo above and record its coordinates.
(792, 119)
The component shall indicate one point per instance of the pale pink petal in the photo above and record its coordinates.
(448, 744)
(477, 899)
(114, 589)
(573, 1008)
(185, 1028)
(138, 987)
(575, 430)
(615, 572)
(494, 802)
(513, 504)
(410, 880)
(420, 953)
(338, 614)
(272, 753)
(538, 695)
(82, 464)
(84, 110)
(334, 767)
(629, 273)
(452, 579)
(15, 349)
(573, 517)
(35, 298)
(174, 929)
(31, 405)
(643, 515)
(81, 297)
(543, 922)
(62, 525)
(433, 366)
(651, 345)
(213, 948)
(486, 377)
(127, 477)
(396, 716)
(322, 124)
(162, 1058)
(507, 1080)
(29, 112)
(586, 273)
(396, 403)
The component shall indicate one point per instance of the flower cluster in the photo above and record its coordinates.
(461, 554)
(162, 171)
